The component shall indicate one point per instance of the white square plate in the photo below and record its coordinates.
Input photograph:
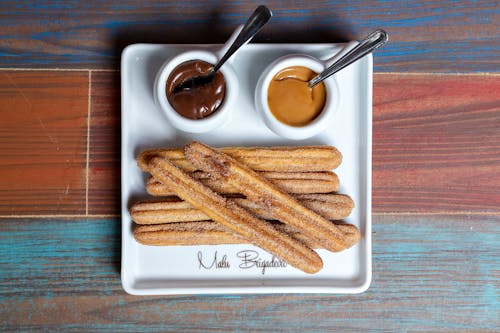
(150, 270)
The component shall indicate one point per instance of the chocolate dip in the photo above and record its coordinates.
(201, 101)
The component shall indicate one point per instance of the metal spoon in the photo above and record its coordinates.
(373, 41)
(255, 22)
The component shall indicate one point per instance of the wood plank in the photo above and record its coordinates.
(431, 36)
(104, 163)
(427, 154)
(431, 273)
(43, 133)
(436, 143)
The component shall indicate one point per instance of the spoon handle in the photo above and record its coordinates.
(373, 41)
(255, 22)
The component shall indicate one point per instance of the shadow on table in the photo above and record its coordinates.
(216, 30)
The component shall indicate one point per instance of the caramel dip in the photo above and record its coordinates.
(291, 100)
(200, 102)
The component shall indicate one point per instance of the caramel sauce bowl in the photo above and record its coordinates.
(318, 124)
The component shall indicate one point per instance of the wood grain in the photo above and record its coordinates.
(436, 150)
(433, 273)
(436, 143)
(426, 36)
(104, 163)
(43, 132)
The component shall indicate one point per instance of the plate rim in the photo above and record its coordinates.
(365, 280)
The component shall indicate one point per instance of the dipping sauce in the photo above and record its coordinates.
(201, 101)
(291, 100)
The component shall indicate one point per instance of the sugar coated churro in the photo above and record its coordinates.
(291, 182)
(305, 158)
(235, 218)
(212, 233)
(285, 208)
(172, 209)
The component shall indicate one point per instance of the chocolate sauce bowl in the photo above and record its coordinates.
(204, 108)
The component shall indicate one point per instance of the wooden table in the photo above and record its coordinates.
(436, 166)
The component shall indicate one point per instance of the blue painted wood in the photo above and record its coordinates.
(426, 36)
(44, 257)
(431, 273)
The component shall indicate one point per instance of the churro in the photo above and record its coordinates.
(233, 217)
(212, 233)
(287, 159)
(291, 182)
(172, 209)
(285, 208)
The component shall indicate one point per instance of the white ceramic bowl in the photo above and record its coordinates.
(223, 112)
(220, 116)
(320, 122)
(333, 96)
